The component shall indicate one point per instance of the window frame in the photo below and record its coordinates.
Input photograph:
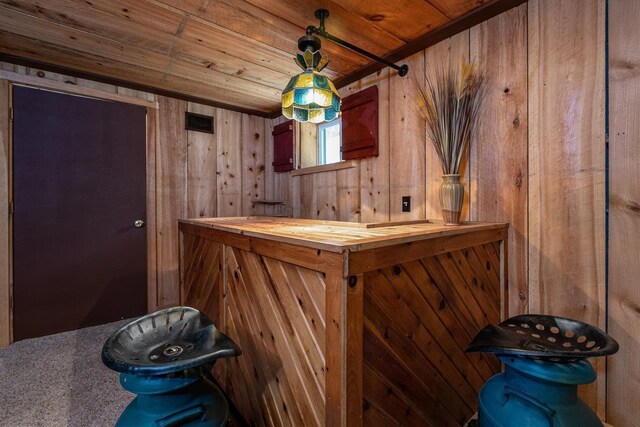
(321, 140)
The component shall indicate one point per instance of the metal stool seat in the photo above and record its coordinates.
(545, 360)
(166, 358)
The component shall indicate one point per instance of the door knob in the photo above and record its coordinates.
(139, 223)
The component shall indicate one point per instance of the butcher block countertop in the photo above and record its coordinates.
(338, 236)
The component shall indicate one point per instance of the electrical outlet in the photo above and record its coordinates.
(406, 203)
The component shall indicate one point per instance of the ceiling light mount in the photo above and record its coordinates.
(311, 96)
(322, 14)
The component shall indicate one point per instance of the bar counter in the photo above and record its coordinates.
(347, 324)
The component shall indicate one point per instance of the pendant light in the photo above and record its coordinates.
(310, 96)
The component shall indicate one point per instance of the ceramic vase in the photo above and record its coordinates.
(451, 198)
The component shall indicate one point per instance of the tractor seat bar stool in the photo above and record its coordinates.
(166, 358)
(545, 360)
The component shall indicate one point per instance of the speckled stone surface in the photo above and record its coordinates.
(59, 380)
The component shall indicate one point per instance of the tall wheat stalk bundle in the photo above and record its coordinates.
(450, 102)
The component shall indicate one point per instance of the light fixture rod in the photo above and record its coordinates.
(322, 14)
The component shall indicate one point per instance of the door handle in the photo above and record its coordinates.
(138, 223)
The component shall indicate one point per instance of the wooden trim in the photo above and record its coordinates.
(335, 368)
(396, 223)
(152, 249)
(504, 278)
(354, 351)
(372, 259)
(37, 83)
(6, 323)
(344, 351)
(123, 83)
(325, 168)
(311, 258)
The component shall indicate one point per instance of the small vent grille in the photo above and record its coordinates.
(199, 122)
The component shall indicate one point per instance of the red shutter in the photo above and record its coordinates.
(360, 124)
(283, 147)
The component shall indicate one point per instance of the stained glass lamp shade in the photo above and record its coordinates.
(310, 96)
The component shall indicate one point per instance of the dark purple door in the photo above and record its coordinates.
(79, 185)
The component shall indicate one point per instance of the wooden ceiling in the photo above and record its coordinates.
(235, 53)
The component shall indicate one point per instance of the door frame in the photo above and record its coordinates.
(7, 80)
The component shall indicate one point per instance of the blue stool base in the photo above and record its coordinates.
(533, 393)
(165, 401)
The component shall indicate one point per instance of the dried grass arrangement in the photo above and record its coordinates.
(450, 102)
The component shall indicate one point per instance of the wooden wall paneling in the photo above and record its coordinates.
(498, 187)
(374, 171)
(282, 190)
(229, 158)
(449, 52)
(278, 186)
(307, 144)
(307, 195)
(325, 186)
(294, 197)
(372, 199)
(253, 165)
(6, 320)
(407, 143)
(348, 194)
(623, 370)
(567, 165)
(268, 163)
(201, 166)
(171, 195)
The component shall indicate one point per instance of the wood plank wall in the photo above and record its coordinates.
(537, 162)
(623, 386)
(191, 174)
(567, 165)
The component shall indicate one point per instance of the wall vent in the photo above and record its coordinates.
(199, 122)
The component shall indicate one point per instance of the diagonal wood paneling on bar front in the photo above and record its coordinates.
(419, 318)
(202, 276)
(275, 313)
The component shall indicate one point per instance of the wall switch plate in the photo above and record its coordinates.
(406, 203)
